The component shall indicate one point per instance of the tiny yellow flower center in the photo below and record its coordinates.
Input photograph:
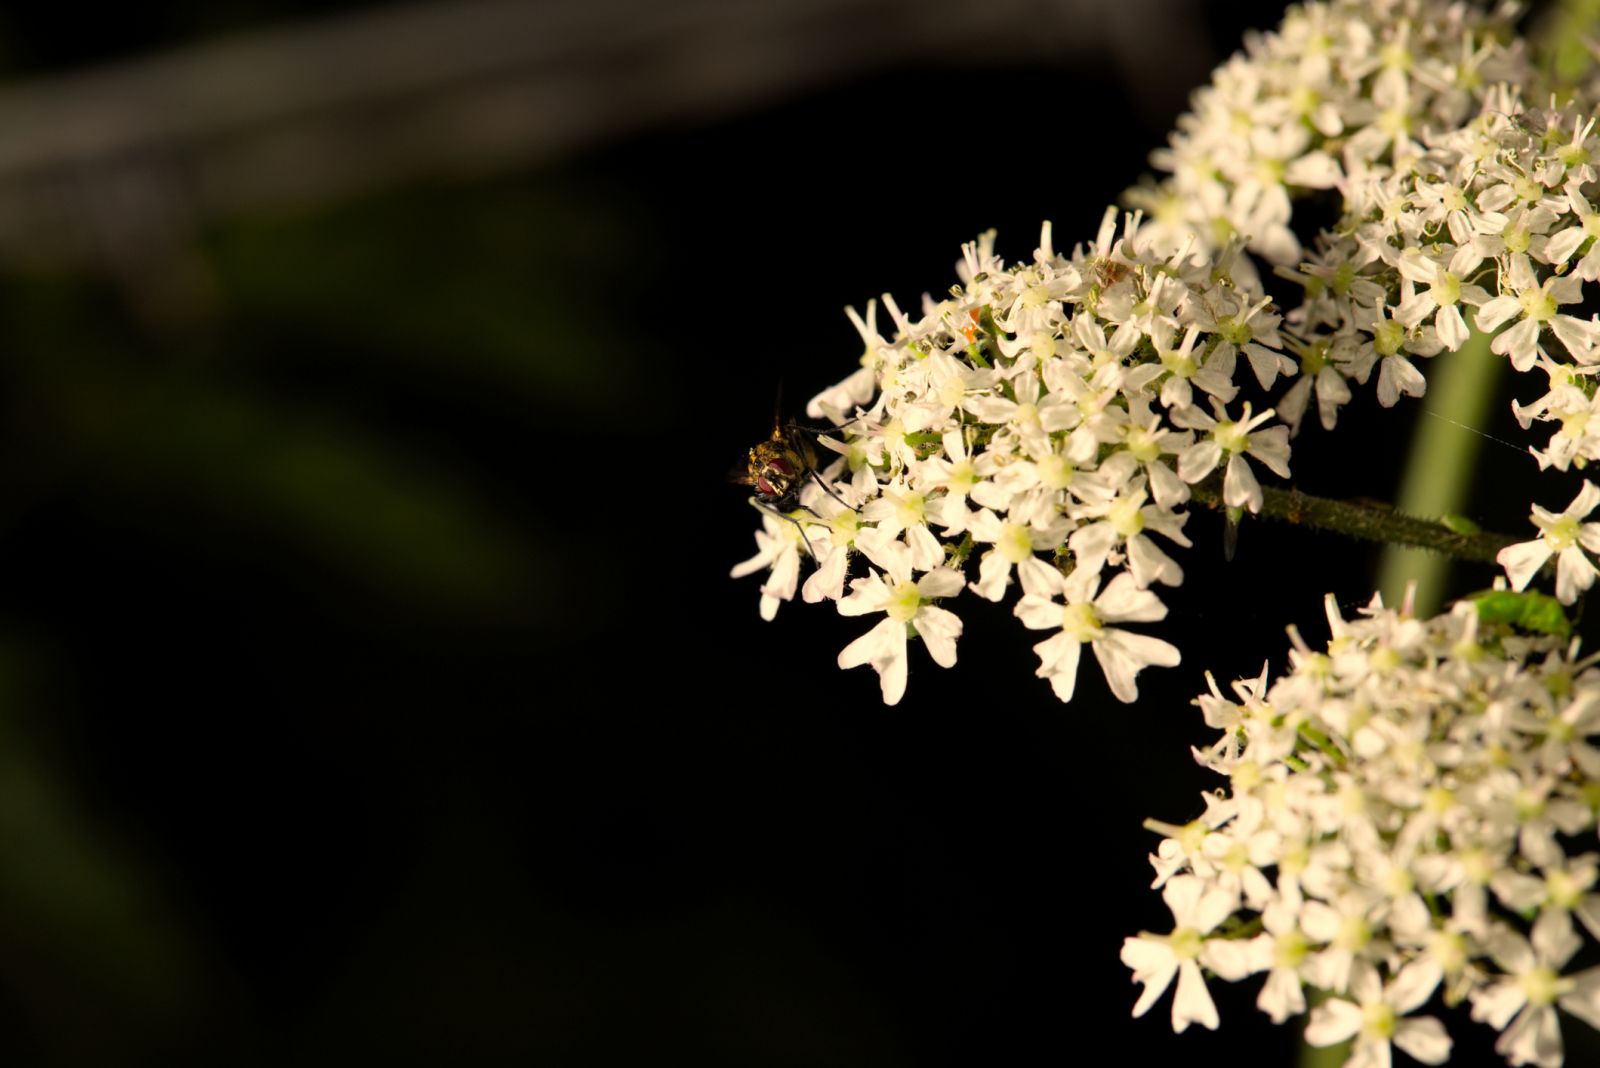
(1395, 56)
(1537, 305)
(1231, 436)
(1517, 238)
(1398, 882)
(1344, 277)
(1231, 329)
(1181, 366)
(911, 508)
(1314, 358)
(1027, 415)
(1056, 471)
(1394, 121)
(904, 600)
(844, 526)
(1289, 950)
(1528, 804)
(1035, 297)
(1388, 337)
(1377, 1021)
(1446, 290)
(1476, 865)
(1563, 533)
(1246, 776)
(1014, 542)
(1439, 800)
(1542, 986)
(1043, 345)
(1080, 623)
(963, 476)
(1449, 950)
(1186, 943)
(1269, 171)
(1124, 516)
(1145, 445)
(1564, 891)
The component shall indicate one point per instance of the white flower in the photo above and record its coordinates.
(905, 603)
(1233, 440)
(1375, 1019)
(778, 548)
(1537, 304)
(1523, 1003)
(1558, 534)
(1122, 654)
(1155, 959)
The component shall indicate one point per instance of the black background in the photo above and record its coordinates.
(552, 792)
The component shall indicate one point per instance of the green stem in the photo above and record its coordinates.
(1365, 521)
(1462, 387)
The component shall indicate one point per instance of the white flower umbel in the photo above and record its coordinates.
(1563, 536)
(905, 604)
(1442, 759)
(1025, 425)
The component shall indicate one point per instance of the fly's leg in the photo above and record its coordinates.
(758, 506)
(829, 490)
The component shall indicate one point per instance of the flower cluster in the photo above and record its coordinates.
(1400, 820)
(1050, 418)
(1053, 416)
(1337, 98)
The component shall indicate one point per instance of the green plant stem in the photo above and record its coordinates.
(1368, 522)
(1444, 452)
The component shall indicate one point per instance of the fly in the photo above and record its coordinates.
(778, 469)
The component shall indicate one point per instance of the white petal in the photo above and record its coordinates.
(1574, 574)
(1533, 1038)
(1123, 601)
(939, 630)
(1239, 486)
(1333, 1021)
(1153, 965)
(1192, 1003)
(1199, 460)
(1523, 560)
(1497, 311)
(1425, 1039)
(884, 647)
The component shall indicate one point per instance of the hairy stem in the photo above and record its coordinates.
(1369, 522)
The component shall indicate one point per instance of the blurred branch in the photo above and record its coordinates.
(119, 163)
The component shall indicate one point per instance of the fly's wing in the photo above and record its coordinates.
(799, 441)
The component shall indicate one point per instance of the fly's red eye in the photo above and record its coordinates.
(764, 488)
(781, 466)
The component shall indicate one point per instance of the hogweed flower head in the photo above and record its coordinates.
(1420, 827)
